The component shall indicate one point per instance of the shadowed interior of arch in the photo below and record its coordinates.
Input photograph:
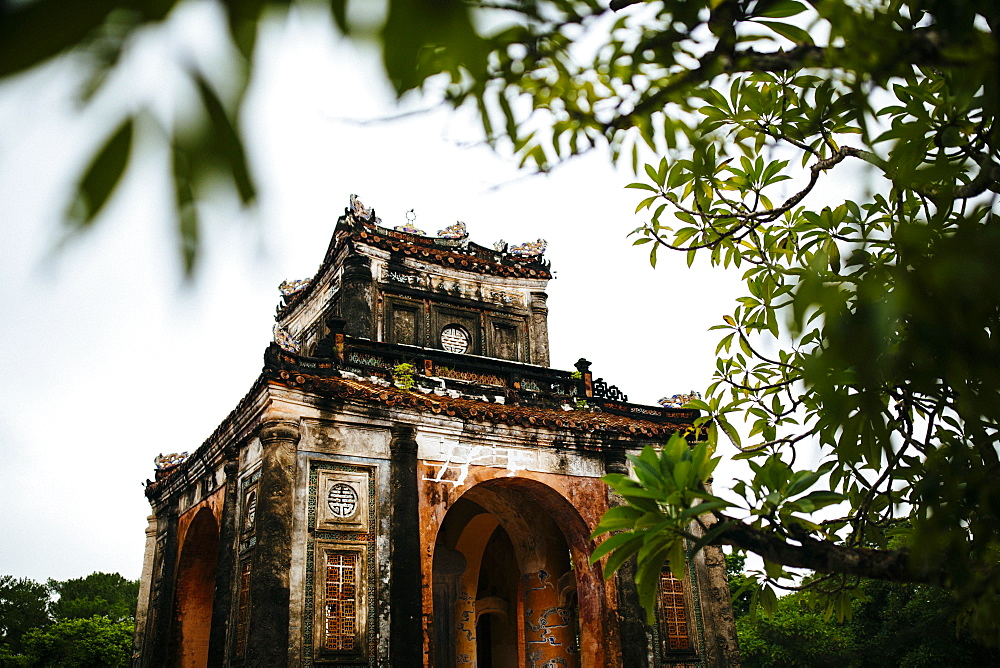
(510, 558)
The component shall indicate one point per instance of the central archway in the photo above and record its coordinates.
(194, 592)
(511, 581)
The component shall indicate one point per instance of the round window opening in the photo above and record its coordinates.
(455, 339)
(342, 500)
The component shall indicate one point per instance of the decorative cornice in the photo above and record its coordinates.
(582, 421)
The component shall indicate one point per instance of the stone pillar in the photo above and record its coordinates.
(357, 301)
(636, 638)
(225, 572)
(145, 591)
(709, 567)
(161, 615)
(539, 332)
(405, 591)
(267, 639)
(449, 566)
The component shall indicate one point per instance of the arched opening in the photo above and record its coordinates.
(194, 592)
(511, 577)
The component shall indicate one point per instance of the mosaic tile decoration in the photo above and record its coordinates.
(370, 570)
(456, 231)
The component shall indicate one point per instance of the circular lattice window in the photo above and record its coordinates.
(455, 339)
(342, 500)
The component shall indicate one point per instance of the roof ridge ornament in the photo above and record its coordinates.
(289, 288)
(456, 231)
(163, 461)
(528, 249)
(678, 400)
(363, 212)
(409, 227)
(285, 340)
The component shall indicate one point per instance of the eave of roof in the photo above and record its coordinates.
(581, 421)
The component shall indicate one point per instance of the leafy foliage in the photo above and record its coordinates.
(97, 642)
(661, 505)
(794, 636)
(23, 606)
(105, 594)
(891, 624)
(867, 330)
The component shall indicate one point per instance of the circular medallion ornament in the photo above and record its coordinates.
(455, 339)
(342, 500)
(251, 509)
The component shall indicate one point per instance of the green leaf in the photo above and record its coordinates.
(789, 31)
(101, 176)
(227, 140)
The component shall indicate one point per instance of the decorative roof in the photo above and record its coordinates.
(451, 249)
(479, 410)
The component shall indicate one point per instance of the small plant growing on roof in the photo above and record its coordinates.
(402, 376)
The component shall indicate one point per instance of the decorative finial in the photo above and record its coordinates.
(409, 227)
(456, 231)
(285, 340)
(529, 249)
(289, 288)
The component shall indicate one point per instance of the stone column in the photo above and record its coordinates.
(267, 639)
(358, 297)
(145, 591)
(405, 592)
(449, 566)
(636, 638)
(539, 333)
(225, 571)
(161, 614)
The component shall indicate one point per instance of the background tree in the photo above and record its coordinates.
(890, 624)
(105, 594)
(97, 642)
(23, 606)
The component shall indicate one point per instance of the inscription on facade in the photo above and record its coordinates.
(458, 457)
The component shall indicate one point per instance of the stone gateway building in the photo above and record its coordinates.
(408, 483)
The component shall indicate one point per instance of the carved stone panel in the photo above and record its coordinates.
(342, 501)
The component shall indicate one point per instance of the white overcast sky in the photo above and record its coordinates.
(108, 359)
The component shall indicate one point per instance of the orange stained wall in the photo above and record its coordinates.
(575, 504)
(195, 587)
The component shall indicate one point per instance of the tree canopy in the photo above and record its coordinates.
(93, 625)
(862, 355)
(104, 594)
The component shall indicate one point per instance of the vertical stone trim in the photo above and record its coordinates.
(405, 594)
(448, 567)
(635, 634)
(539, 333)
(720, 643)
(358, 298)
(162, 611)
(145, 590)
(225, 567)
(269, 615)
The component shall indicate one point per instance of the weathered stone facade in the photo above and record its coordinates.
(408, 483)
